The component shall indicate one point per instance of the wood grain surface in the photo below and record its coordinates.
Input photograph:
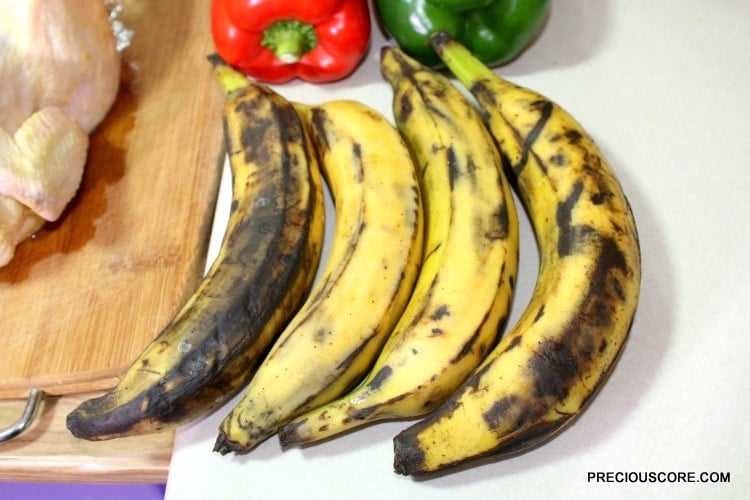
(47, 452)
(84, 296)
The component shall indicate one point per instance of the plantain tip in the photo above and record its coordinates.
(215, 59)
(224, 445)
(408, 457)
(288, 435)
(230, 79)
(439, 40)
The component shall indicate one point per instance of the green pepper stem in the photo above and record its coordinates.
(290, 40)
(462, 63)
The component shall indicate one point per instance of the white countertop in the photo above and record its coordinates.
(663, 88)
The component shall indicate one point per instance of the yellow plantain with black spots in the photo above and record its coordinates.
(567, 340)
(265, 267)
(374, 259)
(464, 289)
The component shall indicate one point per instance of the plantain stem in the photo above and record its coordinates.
(462, 63)
(229, 78)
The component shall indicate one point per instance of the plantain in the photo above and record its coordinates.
(264, 269)
(369, 275)
(568, 338)
(464, 290)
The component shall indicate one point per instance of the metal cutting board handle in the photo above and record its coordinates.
(20, 425)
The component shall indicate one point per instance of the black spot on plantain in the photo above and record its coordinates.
(407, 66)
(440, 313)
(601, 313)
(405, 108)
(321, 335)
(565, 207)
(539, 314)
(289, 122)
(559, 159)
(496, 414)
(573, 136)
(439, 92)
(610, 257)
(553, 367)
(146, 367)
(598, 198)
(428, 405)
(617, 288)
(471, 169)
(473, 382)
(383, 374)
(318, 120)
(362, 413)
(357, 163)
(482, 92)
(603, 346)
(515, 342)
(603, 194)
(454, 169)
(267, 225)
(164, 405)
(253, 138)
(545, 109)
(571, 236)
(249, 106)
(604, 287)
(573, 239)
(499, 230)
(587, 347)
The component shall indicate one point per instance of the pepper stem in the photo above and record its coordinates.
(290, 40)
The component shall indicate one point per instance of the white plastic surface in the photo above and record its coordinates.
(663, 88)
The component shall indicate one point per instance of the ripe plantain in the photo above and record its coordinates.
(264, 269)
(464, 290)
(568, 338)
(372, 266)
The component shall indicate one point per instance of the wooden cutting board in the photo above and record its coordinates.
(48, 452)
(83, 297)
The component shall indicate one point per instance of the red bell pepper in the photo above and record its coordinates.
(278, 40)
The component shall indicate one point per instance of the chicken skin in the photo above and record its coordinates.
(59, 76)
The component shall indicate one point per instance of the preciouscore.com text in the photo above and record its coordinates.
(658, 477)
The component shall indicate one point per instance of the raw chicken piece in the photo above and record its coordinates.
(43, 161)
(59, 75)
(17, 222)
(56, 53)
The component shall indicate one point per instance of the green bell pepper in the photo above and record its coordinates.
(495, 31)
